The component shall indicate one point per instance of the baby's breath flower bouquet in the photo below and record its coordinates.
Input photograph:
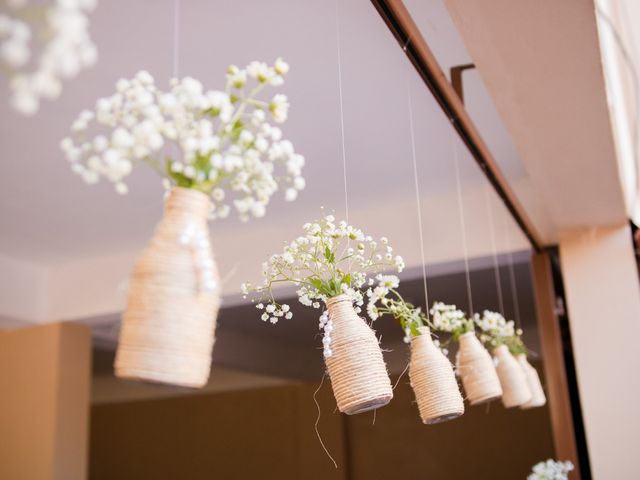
(449, 319)
(59, 30)
(496, 332)
(551, 470)
(430, 372)
(329, 260)
(331, 264)
(227, 142)
(226, 145)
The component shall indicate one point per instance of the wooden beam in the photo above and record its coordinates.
(559, 400)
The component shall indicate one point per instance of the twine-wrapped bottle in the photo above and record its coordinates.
(168, 326)
(515, 389)
(356, 367)
(433, 381)
(476, 369)
(538, 398)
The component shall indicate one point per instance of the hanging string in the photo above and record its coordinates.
(463, 225)
(512, 279)
(344, 152)
(494, 247)
(417, 192)
(176, 38)
(346, 201)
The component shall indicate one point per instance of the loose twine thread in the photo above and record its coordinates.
(315, 426)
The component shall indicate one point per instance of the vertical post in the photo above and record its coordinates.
(554, 365)
(603, 299)
(45, 374)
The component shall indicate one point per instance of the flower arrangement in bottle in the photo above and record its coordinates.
(59, 30)
(495, 334)
(331, 264)
(430, 372)
(473, 362)
(519, 350)
(551, 470)
(226, 151)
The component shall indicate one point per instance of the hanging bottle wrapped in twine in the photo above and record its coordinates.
(538, 398)
(356, 367)
(168, 326)
(476, 369)
(433, 381)
(515, 389)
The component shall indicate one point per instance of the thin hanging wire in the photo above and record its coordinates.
(346, 204)
(496, 264)
(418, 196)
(512, 279)
(176, 39)
(344, 152)
(463, 225)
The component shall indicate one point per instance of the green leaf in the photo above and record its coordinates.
(179, 178)
(317, 283)
(329, 255)
(238, 126)
(347, 279)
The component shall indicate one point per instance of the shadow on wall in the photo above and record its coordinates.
(268, 434)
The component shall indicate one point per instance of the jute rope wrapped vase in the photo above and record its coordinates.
(538, 398)
(515, 389)
(433, 381)
(356, 367)
(476, 369)
(169, 322)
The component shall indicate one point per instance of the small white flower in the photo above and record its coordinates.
(279, 107)
(121, 188)
(281, 67)
(260, 71)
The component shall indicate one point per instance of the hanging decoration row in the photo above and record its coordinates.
(337, 267)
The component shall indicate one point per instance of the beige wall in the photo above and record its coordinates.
(268, 434)
(44, 402)
(603, 297)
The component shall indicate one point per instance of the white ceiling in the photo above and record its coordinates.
(74, 244)
(542, 63)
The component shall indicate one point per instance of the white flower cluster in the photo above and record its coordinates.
(329, 260)
(227, 144)
(447, 318)
(495, 329)
(379, 293)
(66, 48)
(327, 326)
(273, 312)
(198, 240)
(551, 470)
